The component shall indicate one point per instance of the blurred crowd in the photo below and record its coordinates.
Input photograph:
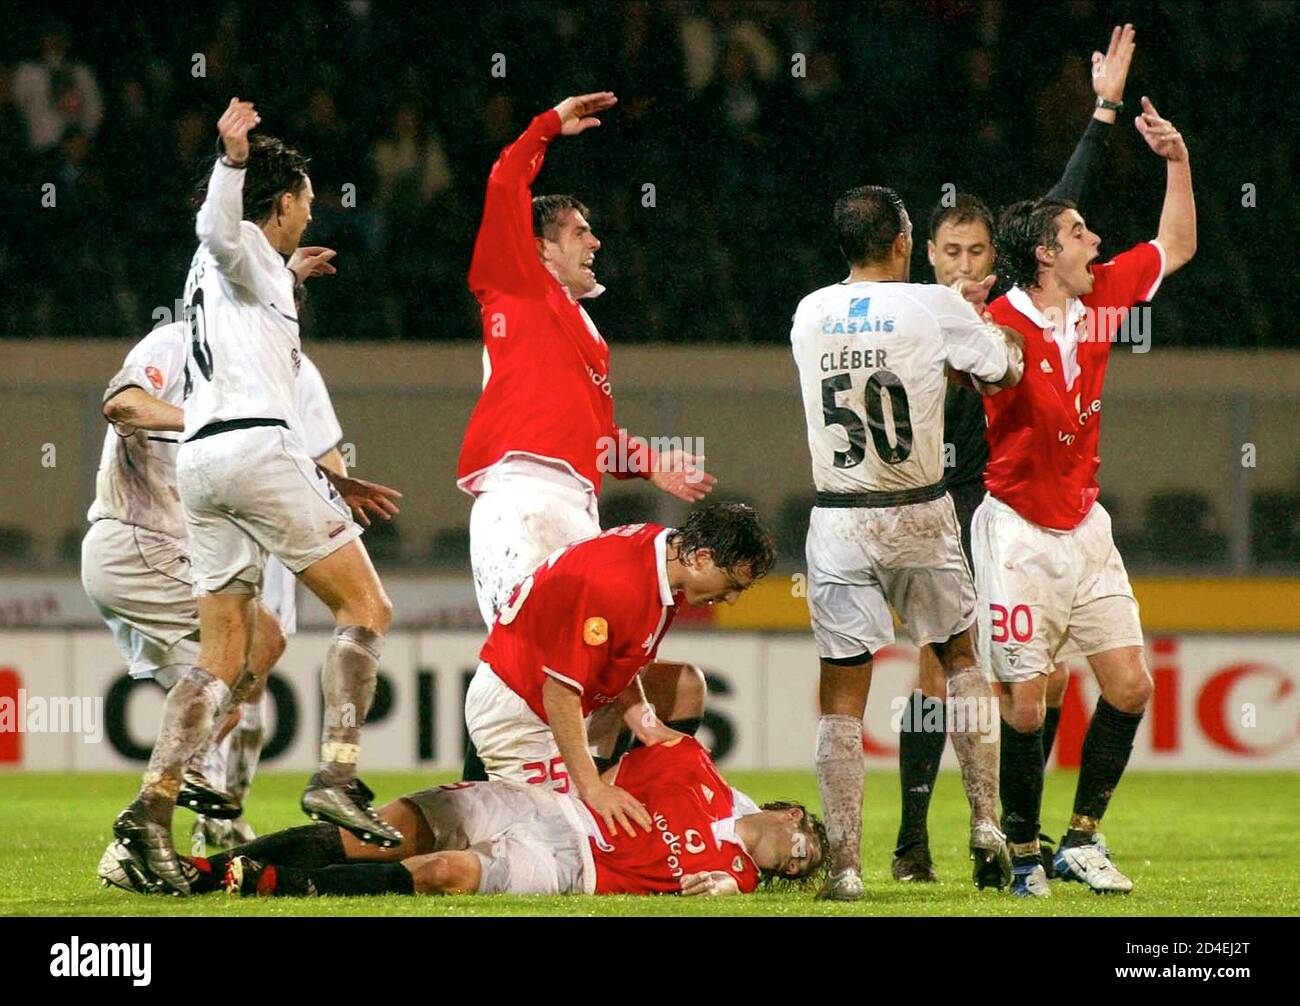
(710, 184)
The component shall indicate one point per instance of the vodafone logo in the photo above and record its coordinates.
(1226, 709)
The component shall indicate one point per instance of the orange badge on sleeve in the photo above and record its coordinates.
(595, 631)
(155, 377)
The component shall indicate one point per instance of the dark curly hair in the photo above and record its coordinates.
(1024, 227)
(274, 168)
(734, 535)
(814, 830)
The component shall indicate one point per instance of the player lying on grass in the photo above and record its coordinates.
(559, 671)
(511, 838)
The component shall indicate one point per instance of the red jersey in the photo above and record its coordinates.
(547, 393)
(591, 616)
(686, 798)
(1043, 433)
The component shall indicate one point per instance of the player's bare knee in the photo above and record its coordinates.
(1132, 694)
(930, 674)
(435, 874)
(1024, 713)
(691, 693)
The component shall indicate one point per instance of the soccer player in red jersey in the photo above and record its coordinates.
(1046, 567)
(508, 838)
(559, 670)
(543, 431)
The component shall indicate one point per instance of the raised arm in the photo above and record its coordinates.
(1177, 235)
(217, 226)
(1109, 73)
(505, 251)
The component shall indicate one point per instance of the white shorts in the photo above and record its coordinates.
(528, 840)
(251, 492)
(513, 742)
(1039, 588)
(517, 521)
(862, 560)
(140, 582)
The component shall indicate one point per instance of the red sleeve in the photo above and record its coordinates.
(505, 255)
(638, 455)
(570, 621)
(1131, 277)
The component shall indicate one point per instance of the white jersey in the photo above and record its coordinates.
(136, 481)
(243, 346)
(871, 359)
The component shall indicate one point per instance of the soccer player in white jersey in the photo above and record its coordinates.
(249, 489)
(235, 755)
(135, 563)
(872, 352)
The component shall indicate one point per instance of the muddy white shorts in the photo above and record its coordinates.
(528, 840)
(521, 514)
(1039, 588)
(862, 560)
(140, 582)
(252, 492)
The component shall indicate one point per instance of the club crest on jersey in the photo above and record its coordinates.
(296, 357)
(595, 631)
(155, 377)
(1047, 367)
(737, 865)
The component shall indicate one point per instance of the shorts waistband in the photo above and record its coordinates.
(902, 497)
(226, 425)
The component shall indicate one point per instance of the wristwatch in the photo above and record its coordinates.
(1114, 106)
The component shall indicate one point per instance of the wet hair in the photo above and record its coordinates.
(734, 535)
(1022, 228)
(814, 830)
(965, 209)
(547, 211)
(274, 168)
(867, 220)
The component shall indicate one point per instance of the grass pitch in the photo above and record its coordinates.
(1194, 844)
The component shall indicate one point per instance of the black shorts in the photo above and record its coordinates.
(966, 496)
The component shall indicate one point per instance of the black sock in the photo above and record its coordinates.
(473, 770)
(1050, 722)
(1021, 783)
(307, 846)
(686, 726)
(1106, 749)
(919, 752)
(356, 878)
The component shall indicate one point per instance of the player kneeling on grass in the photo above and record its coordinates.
(512, 838)
(560, 670)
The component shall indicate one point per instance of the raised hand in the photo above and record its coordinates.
(578, 113)
(1160, 134)
(239, 118)
(1111, 70)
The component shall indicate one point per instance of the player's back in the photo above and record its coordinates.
(136, 480)
(242, 336)
(871, 359)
